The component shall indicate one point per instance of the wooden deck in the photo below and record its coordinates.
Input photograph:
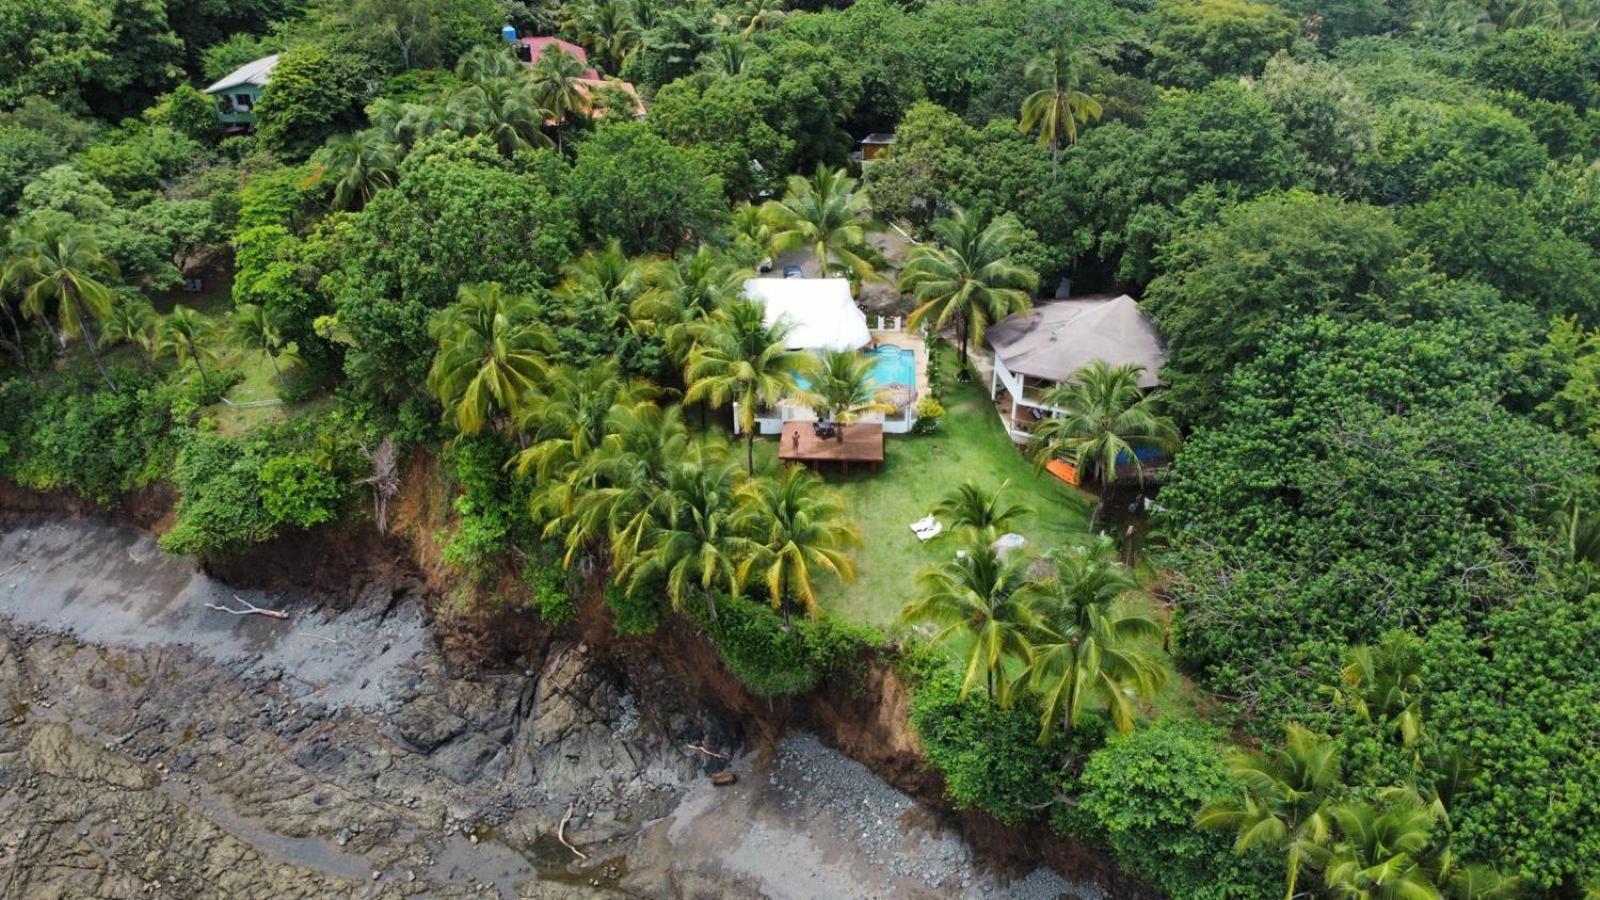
(858, 443)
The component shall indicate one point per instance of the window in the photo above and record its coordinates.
(242, 101)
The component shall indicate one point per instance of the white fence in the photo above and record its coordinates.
(769, 423)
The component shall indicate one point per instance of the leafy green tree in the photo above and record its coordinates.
(727, 118)
(1539, 63)
(1285, 803)
(691, 547)
(799, 531)
(1421, 148)
(1058, 107)
(1195, 42)
(828, 216)
(632, 185)
(1101, 420)
(842, 387)
(970, 278)
(740, 359)
(1327, 119)
(315, 93)
(977, 601)
(981, 514)
(185, 334)
(1086, 648)
(491, 353)
(1230, 283)
(295, 490)
(414, 33)
(63, 269)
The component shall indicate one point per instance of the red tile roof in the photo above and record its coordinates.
(537, 45)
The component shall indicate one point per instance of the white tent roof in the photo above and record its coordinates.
(820, 311)
(255, 73)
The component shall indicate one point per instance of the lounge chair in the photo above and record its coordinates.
(927, 528)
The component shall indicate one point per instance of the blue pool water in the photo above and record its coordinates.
(890, 365)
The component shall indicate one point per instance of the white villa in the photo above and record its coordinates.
(823, 315)
(1041, 348)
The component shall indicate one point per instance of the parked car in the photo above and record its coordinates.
(765, 265)
(793, 272)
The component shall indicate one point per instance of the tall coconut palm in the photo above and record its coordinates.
(976, 599)
(978, 513)
(1058, 107)
(1378, 854)
(725, 59)
(798, 530)
(63, 268)
(1086, 647)
(969, 278)
(682, 294)
(605, 273)
(558, 83)
(618, 488)
(607, 27)
(1102, 419)
(252, 329)
(133, 321)
(842, 387)
(1285, 802)
(752, 232)
(569, 415)
(828, 216)
(1383, 685)
(363, 164)
(403, 125)
(186, 334)
(507, 110)
(741, 359)
(758, 15)
(692, 546)
(490, 353)
(487, 62)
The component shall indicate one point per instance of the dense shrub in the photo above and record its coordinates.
(767, 657)
(295, 491)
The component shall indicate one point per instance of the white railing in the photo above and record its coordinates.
(890, 323)
(770, 422)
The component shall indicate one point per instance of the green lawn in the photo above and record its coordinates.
(917, 472)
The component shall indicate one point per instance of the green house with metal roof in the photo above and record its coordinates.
(238, 92)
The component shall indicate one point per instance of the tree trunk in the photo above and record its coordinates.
(194, 351)
(750, 448)
(92, 341)
(1107, 483)
(16, 332)
(277, 372)
(711, 604)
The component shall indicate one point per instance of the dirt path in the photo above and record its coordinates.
(150, 746)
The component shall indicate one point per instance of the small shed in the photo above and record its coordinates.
(238, 92)
(875, 145)
(820, 312)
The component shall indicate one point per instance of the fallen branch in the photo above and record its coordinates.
(319, 637)
(250, 609)
(12, 569)
(561, 834)
(711, 753)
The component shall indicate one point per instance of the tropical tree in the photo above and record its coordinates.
(613, 496)
(1285, 802)
(842, 387)
(1102, 418)
(133, 321)
(1378, 854)
(828, 216)
(751, 230)
(186, 334)
(969, 278)
(691, 545)
(976, 599)
(752, 16)
(571, 413)
(798, 530)
(1086, 649)
(507, 110)
(1058, 107)
(682, 294)
(1383, 685)
(63, 268)
(557, 83)
(487, 62)
(402, 126)
(608, 27)
(252, 329)
(490, 353)
(362, 164)
(741, 359)
(980, 514)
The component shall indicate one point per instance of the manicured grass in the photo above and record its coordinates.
(917, 472)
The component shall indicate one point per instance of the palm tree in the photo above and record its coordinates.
(507, 110)
(1085, 647)
(570, 415)
(828, 216)
(402, 126)
(186, 334)
(969, 279)
(252, 329)
(752, 232)
(741, 359)
(798, 530)
(980, 514)
(843, 389)
(684, 293)
(557, 82)
(724, 60)
(977, 598)
(1102, 418)
(1058, 107)
(1384, 685)
(692, 545)
(605, 273)
(1379, 852)
(364, 164)
(615, 493)
(1285, 801)
(133, 321)
(487, 62)
(64, 267)
(758, 15)
(608, 27)
(490, 354)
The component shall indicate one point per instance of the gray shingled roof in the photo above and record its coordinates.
(1056, 339)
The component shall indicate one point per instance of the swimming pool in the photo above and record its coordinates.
(890, 365)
